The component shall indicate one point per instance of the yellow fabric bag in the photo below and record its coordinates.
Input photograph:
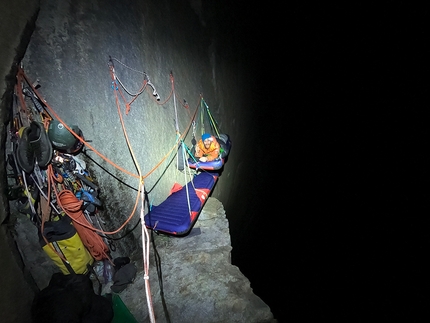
(65, 240)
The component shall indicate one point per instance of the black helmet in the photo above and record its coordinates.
(62, 139)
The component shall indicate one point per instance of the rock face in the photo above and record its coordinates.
(195, 278)
(191, 279)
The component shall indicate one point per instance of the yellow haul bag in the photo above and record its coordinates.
(65, 240)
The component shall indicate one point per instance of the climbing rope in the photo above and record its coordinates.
(72, 206)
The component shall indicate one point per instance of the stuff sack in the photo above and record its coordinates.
(71, 299)
(65, 240)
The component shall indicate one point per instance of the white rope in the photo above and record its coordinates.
(45, 196)
(148, 82)
(186, 181)
(126, 90)
(145, 251)
(145, 236)
(126, 66)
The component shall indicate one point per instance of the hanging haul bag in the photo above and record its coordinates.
(65, 240)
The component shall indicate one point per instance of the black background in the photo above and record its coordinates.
(344, 230)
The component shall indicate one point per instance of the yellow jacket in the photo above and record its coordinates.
(211, 153)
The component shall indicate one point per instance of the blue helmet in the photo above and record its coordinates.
(206, 136)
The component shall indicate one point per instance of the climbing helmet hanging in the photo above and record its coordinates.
(62, 139)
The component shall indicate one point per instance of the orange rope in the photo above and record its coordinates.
(53, 179)
(71, 205)
(20, 94)
(119, 112)
(94, 243)
(128, 104)
(52, 112)
(141, 177)
(18, 90)
(42, 228)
